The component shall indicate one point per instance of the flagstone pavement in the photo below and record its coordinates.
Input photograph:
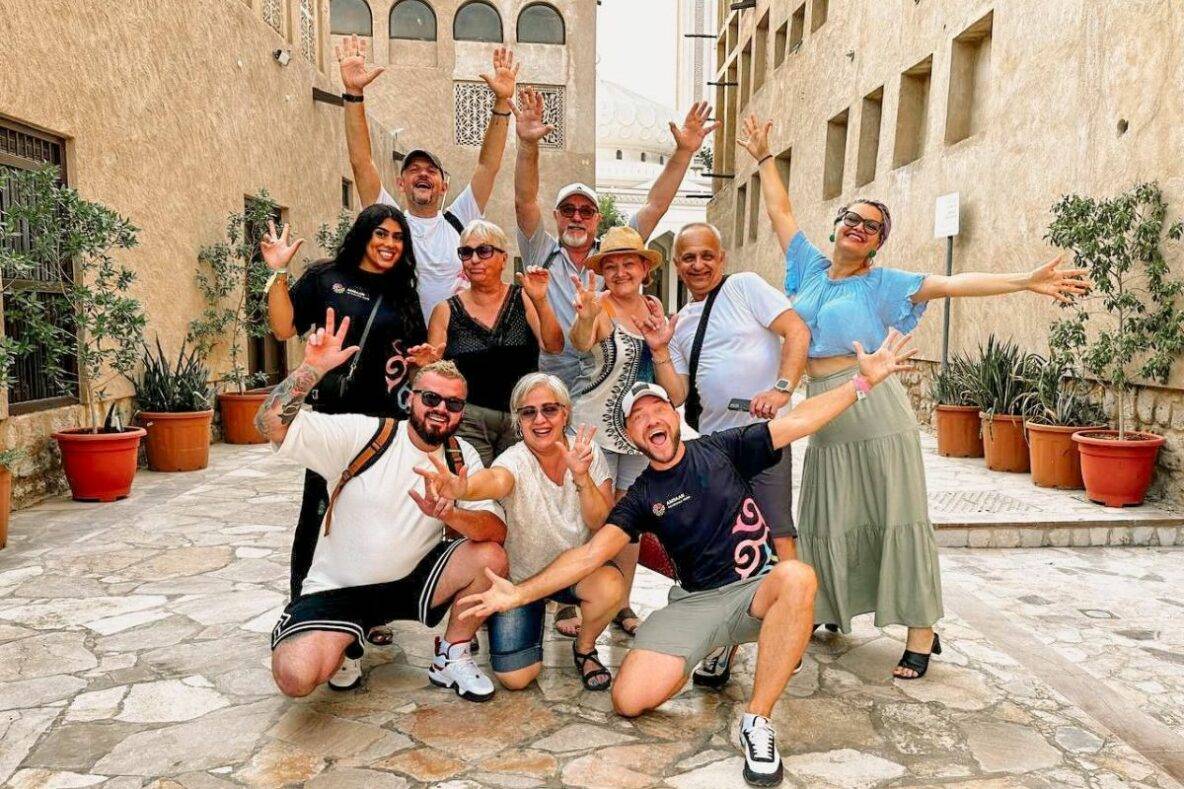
(134, 651)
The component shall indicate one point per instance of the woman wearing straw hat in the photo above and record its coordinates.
(607, 324)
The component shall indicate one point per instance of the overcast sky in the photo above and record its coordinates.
(635, 46)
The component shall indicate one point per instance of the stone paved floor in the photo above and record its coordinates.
(133, 650)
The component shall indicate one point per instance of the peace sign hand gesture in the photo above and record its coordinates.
(587, 302)
(443, 482)
(578, 456)
(695, 127)
(276, 250)
(892, 357)
(756, 137)
(351, 56)
(324, 349)
(504, 78)
(657, 329)
(1061, 284)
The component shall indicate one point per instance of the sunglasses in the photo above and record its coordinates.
(455, 405)
(852, 219)
(585, 212)
(483, 252)
(549, 410)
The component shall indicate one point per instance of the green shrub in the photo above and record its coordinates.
(182, 386)
(1004, 378)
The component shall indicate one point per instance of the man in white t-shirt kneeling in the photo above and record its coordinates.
(383, 554)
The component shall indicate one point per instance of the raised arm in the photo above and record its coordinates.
(1048, 280)
(277, 254)
(351, 55)
(322, 353)
(775, 192)
(528, 120)
(658, 330)
(688, 139)
(595, 500)
(501, 81)
(812, 414)
(589, 308)
(539, 315)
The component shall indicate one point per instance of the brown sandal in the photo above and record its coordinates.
(564, 613)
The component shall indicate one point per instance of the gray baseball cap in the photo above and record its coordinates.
(420, 153)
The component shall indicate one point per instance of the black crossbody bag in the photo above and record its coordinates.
(694, 407)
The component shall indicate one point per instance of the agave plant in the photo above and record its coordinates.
(182, 386)
(1057, 398)
(955, 385)
(1005, 378)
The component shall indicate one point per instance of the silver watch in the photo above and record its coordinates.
(782, 385)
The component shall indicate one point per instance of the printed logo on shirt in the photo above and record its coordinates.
(338, 288)
(681, 498)
(358, 294)
(396, 373)
(659, 510)
(754, 554)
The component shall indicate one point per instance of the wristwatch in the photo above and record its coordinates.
(782, 385)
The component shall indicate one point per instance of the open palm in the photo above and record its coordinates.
(277, 251)
(504, 78)
(351, 57)
(1061, 284)
(695, 127)
(528, 116)
(756, 137)
(501, 596)
(892, 357)
(326, 346)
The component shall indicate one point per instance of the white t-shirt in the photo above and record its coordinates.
(378, 533)
(435, 242)
(740, 357)
(542, 519)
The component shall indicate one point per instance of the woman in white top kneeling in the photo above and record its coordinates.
(556, 492)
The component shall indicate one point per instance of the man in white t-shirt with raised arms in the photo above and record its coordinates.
(383, 555)
(423, 181)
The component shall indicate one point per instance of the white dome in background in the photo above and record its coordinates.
(628, 120)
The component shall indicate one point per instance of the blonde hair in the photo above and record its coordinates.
(487, 231)
(442, 368)
(531, 381)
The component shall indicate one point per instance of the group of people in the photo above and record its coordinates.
(476, 448)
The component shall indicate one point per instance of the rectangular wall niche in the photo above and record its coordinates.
(836, 154)
(760, 60)
(912, 113)
(818, 13)
(869, 137)
(970, 73)
(741, 206)
(746, 74)
(781, 44)
(797, 28)
(754, 206)
(785, 166)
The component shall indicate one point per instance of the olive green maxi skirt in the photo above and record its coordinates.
(864, 519)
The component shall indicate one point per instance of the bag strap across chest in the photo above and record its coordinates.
(694, 406)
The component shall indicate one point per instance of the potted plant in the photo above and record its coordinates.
(103, 332)
(959, 430)
(175, 407)
(7, 458)
(231, 277)
(1058, 407)
(1003, 378)
(1119, 242)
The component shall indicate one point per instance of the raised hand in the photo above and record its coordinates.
(501, 596)
(424, 354)
(657, 329)
(324, 350)
(587, 301)
(756, 137)
(431, 503)
(1061, 284)
(442, 481)
(528, 116)
(578, 456)
(504, 78)
(892, 357)
(695, 127)
(276, 250)
(534, 282)
(351, 57)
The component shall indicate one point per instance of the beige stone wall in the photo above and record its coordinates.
(172, 114)
(1071, 96)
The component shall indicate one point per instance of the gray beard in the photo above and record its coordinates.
(568, 241)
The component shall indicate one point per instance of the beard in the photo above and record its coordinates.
(675, 442)
(430, 432)
(575, 237)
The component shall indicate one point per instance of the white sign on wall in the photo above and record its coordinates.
(945, 216)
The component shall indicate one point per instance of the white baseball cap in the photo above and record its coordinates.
(577, 189)
(639, 390)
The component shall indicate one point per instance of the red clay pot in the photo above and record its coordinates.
(100, 466)
(958, 431)
(1055, 461)
(177, 441)
(238, 416)
(5, 503)
(1117, 473)
(1003, 443)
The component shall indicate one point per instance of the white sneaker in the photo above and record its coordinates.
(762, 762)
(349, 676)
(454, 668)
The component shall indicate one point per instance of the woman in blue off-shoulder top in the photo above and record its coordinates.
(864, 518)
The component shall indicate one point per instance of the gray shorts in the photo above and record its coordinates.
(773, 491)
(695, 623)
(625, 469)
(490, 432)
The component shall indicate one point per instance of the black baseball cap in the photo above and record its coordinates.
(420, 153)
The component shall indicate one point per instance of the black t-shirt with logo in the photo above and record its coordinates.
(379, 385)
(703, 511)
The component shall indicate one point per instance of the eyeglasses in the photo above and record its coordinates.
(483, 252)
(550, 410)
(431, 399)
(852, 219)
(586, 212)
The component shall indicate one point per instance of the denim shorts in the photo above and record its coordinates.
(516, 636)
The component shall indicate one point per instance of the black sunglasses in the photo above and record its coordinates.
(585, 212)
(549, 410)
(852, 219)
(484, 251)
(431, 399)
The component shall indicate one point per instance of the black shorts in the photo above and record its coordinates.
(356, 609)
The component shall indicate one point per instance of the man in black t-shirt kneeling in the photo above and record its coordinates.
(696, 498)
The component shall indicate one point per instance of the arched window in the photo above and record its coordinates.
(620, 156)
(541, 24)
(414, 20)
(350, 17)
(477, 21)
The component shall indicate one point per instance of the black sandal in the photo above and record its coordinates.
(918, 661)
(590, 678)
(381, 636)
(622, 615)
(567, 612)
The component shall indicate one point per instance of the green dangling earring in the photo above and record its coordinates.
(871, 254)
(832, 237)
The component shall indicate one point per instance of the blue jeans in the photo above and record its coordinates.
(574, 371)
(516, 636)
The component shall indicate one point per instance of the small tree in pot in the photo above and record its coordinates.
(955, 414)
(1120, 241)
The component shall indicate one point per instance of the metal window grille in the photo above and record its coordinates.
(308, 31)
(273, 14)
(474, 102)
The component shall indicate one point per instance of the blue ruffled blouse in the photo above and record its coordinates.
(841, 311)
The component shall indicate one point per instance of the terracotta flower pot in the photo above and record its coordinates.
(1056, 463)
(1004, 446)
(177, 441)
(99, 466)
(238, 416)
(5, 503)
(958, 431)
(1117, 473)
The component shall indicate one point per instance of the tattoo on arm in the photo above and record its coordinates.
(284, 402)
